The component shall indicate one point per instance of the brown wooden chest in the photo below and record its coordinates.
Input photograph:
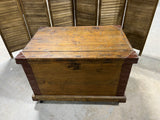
(78, 63)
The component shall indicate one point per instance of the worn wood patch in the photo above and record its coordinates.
(79, 39)
(86, 12)
(20, 59)
(61, 12)
(138, 20)
(125, 72)
(36, 14)
(111, 12)
(13, 29)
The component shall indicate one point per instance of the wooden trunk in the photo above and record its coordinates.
(78, 63)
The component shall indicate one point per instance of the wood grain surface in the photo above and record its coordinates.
(13, 29)
(80, 98)
(86, 12)
(111, 12)
(61, 12)
(138, 20)
(77, 77)
(79, 42)
(36, 14)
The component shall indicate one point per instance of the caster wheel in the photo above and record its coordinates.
(41, 101)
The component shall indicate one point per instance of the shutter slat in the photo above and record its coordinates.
(12, 26)
(61, 12)
(138, 20)
(111, 9)
(36, 14)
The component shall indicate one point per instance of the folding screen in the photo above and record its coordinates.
(62, 12)
(36, 14)
(86, 12)
(111, 12)
(12, 25)
(138, 20)
(138, 17)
